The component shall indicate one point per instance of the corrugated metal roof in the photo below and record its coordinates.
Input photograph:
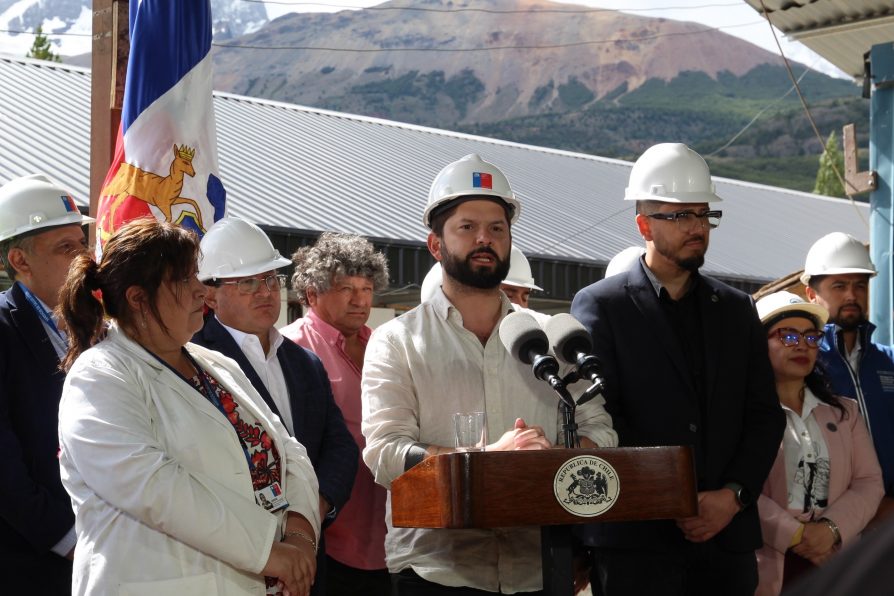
(289, 166)
(840, 31)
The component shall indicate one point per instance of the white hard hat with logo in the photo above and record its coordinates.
(774, 307)
(34, 203)
(469, 176)
(520, 271)
(671, 173)
(837, 254)
(233, 247)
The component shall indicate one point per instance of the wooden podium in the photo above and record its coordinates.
(521, 488)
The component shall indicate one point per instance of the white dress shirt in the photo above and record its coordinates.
(268, 368)
(418, 371)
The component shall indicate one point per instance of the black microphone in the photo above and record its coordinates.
(572, 343)
(525, 340)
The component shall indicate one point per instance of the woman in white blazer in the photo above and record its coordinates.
(182, 479)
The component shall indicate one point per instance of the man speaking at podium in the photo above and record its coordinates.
(684, 358)
(443, 357)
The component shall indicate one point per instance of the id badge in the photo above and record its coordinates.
(271, 497)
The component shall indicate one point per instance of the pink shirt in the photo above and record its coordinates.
(357, 537)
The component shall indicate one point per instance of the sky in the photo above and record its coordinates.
(734, 17)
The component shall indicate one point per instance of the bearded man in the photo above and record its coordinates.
(445, 356)
(837, 271)
(684, 358)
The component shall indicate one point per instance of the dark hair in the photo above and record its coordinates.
(144, 253)
(818, 383)
(647, 207)
(23, 242)
(814, 282)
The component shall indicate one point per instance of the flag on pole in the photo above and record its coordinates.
(165, 161)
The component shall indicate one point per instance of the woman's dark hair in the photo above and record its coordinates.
(144, 253)
(818, 383)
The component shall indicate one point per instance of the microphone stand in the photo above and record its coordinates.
(557, 553)
(568, 407)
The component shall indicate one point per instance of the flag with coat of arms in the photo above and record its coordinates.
(165, 162)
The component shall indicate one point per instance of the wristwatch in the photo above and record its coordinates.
(743, 497)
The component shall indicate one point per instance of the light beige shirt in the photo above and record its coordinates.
(419, 370)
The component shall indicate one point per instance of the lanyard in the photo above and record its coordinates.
(41, 311)
(209, 393)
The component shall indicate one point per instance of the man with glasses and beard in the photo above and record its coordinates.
(836, 272)
(684, 358)
(443, 357)
(239, 264)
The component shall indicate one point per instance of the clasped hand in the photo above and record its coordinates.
(294, 563)
(817, 542)
(521, 437)
(716, 509)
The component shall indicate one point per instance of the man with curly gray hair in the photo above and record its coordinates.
(336, 278)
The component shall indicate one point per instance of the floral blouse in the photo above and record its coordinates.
(265, 460)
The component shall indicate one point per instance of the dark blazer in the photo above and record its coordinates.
(35, 510)
(316, 418)
(652, 400)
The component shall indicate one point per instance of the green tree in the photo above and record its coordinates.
(41, 48)
(827, 182)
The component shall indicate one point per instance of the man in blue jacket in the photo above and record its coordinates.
(40, 234)
(239, 265)
(837, 272)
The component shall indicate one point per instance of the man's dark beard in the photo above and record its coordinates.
(463, 271)
(692, 264)
(851, 324)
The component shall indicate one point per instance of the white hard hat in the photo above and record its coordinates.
(520, 271)
(233, 247)
(431, 283)
(671, 173)
(837, 253)
(34, 202)
(469, 176)
(780, 305)
(624, 260)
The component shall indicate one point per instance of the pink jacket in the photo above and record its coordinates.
(855, 490)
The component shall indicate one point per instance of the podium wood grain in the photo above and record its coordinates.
(515, 488)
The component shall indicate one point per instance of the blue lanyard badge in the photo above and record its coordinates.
(41, 311)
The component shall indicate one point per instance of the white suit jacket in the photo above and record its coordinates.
(161, 490)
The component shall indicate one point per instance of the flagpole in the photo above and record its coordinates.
(111, 44)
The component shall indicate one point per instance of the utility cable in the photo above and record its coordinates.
(482, 49)
(810, 119)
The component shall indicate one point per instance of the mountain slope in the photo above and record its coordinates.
(409, 68)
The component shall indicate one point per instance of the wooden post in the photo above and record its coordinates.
(855, 182)
(111, 45)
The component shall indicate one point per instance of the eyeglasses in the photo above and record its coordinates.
(250, 285)
(792, 337)
(687, 219)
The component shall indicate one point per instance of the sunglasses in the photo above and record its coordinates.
(687, 219)
(250, 285)
(792, 337)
